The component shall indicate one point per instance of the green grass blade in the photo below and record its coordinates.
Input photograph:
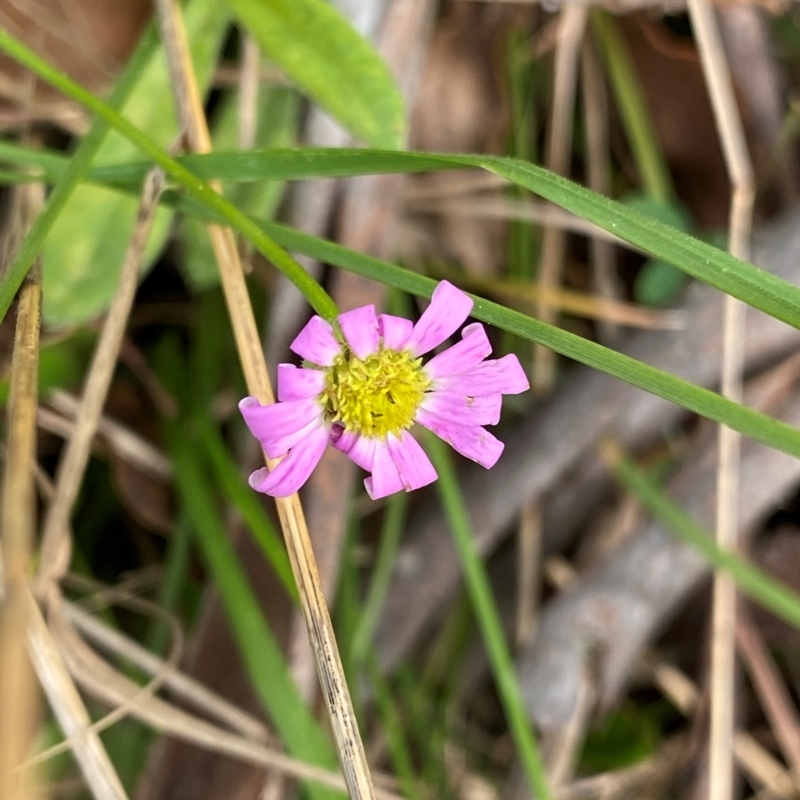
(391, 532)
(752, 581)
(246, 502)
(319, 50)
(73, 174)
(756, 287)
(392, 724)
(702, 401)
(488, 617)
(200, 191)
(259, 649)
(633, 109)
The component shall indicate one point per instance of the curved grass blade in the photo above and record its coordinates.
(748, 283)
(702, 401)
(488, 617)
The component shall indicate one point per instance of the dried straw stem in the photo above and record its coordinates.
(102, 681)
(559, 148)
(595, 103)
(346, 734)
(97, 769)
(55, 554)
(737, 160)
(18, 693)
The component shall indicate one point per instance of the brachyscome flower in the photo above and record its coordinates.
(364, 386)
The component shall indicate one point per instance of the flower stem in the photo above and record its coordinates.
(488, 618)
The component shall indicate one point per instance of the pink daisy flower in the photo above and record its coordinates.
(364, 386)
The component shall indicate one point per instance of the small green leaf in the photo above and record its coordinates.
(659, 282)
(319, 50)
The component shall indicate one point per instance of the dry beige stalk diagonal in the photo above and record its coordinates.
(776, 701)
(55, 553)
(337, 697)
(737, 160)
(559, 149)
(110, 686)
(19, 699)
(69, 710)
(598, 160)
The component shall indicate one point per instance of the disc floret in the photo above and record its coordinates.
(377, 395)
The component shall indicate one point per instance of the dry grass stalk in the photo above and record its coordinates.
(588, 306)
(776, 701)
(737, 160)
(69, 710)
(559, 149)
(55, 554)
(595, 103)
(632, 782)
(108, 685)
(182, 686)
(166, 668)
(529, 556)
(19, 700)
(760, 766)
(345, 729)
(120, 439)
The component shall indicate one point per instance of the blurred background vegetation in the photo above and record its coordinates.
(542, 611)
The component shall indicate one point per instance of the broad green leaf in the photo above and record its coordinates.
(74, 171)
(319, 50)
(276, 127)
(86, 247)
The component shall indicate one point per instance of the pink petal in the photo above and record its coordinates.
(272, 424)
(462, 409)
(359, 449)
(316, 343)
(448, 309)
(466, 354)
(394, 331)
(360, 328)
(385, 478)
(504, 375)
(475, 443)
(291, 473)
(295, 383)
(413, 464)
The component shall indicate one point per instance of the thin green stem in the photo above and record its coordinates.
(320, 301)
(488, 618)
(391, 532)
(392, 725)
(633, 108)
(246, 502)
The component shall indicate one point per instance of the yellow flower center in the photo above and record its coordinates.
(377, 395)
